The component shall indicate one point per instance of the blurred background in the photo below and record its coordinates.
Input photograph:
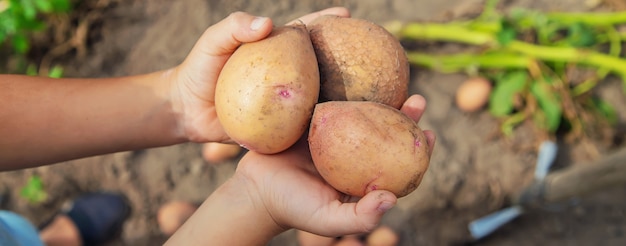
(488, 132)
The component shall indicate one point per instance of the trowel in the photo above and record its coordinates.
(557, 186)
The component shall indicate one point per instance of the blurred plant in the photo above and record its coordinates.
(532, 57)
(34, 191)
(18, 18)
(54, 72)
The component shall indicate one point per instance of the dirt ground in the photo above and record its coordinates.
(473, 171)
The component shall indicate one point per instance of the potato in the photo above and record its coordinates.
(359, 61)
(349, 241)
(173, 215)
(215, 153)
(473, 94)
(267, 90)
(382, 236)
(360, 146)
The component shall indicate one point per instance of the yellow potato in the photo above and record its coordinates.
(349, 240)
(360, 146)
(383, 236)
(359, 61)
(267, 90)
(173, 215)
(215, 153)
(473, 94)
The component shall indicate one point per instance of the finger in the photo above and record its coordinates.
(360, 217)
(338, 11)
(431, 138)
(414, 107)
(224, 37)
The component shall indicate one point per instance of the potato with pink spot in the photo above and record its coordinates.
(266, 92)
(360, 146)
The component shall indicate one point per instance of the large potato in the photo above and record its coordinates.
(359, 146)
(267, 90)
(359, 61)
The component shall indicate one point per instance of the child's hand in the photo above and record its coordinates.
(295, 196)
(193, 87)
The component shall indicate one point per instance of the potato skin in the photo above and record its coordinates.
(360, 146)
(266, 92)
(215, 153)
(359, 61)
(383, 236)
(473, 94)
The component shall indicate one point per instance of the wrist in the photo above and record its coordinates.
(170, 89)
(232, 215)
(253, 203)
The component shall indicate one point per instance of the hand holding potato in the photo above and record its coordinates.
(296, 196)
(268, 194)
(193, 88)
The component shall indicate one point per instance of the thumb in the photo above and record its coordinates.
(360, 217)
(217, 43)
(223, 38)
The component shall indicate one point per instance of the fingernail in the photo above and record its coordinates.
(257, 23)
(385, 206)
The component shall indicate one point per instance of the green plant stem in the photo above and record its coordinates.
(459, 62)
(568, 54)
(615, 48)
(512, 121)
(594, 19)
(457, 33)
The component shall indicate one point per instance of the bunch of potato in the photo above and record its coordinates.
(343, 80)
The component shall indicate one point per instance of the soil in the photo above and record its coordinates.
(474, 171)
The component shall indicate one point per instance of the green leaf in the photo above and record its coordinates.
(31, 70)
(29, 10)
(506, 34)
(580, 35)
(527, 19)
(606, 110)
(8, 24)
(61, 6)
(549, 104)
(20, 44)
(490, 11)
(25, 24)
(511, 122)
(3, 37)
(34, 191)
(56, 72)
(506, 87)
(44, 5)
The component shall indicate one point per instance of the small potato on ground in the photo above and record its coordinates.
(173, 215)
(215, 153)
(473, 94)
(349, 240)
(382, 236)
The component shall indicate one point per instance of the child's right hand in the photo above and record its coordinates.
(192, 88)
